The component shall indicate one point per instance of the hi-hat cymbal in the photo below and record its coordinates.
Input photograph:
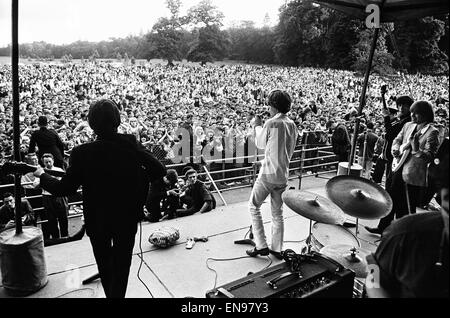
(350, 257)
(313, 207)
(359, 197)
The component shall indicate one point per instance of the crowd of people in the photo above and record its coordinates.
(215, 111)
(209, 107)
(214, 102)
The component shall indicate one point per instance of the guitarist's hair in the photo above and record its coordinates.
(425, 109)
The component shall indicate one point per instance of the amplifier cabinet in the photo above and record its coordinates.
(318, 277)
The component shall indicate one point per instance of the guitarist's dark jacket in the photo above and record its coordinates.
(416, 166)
(114, 173)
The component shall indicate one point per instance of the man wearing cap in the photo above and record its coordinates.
(115, 172)
(47, 141)
(278, 137)
(394, 127)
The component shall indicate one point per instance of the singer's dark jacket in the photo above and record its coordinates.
(114, 173)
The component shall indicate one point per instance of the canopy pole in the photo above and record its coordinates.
(362, 101)
(16, 110)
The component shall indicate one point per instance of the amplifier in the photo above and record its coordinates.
(300, 276)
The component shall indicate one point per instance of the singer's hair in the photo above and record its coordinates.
(280, 100)
(424, 109)
(104, 117)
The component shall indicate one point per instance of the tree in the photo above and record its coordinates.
(419, 45)
(251, 44)
(341, 37)
(167, 34)
(211, 43)
(267, 21)
(299, 34)
(382, 60)
(205, 13)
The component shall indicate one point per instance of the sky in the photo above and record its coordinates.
(67, 21)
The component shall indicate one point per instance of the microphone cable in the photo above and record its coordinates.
(227, 260)
(142, 260)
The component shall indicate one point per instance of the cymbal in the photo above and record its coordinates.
(350, 257)
(359, 197)
(313, 207)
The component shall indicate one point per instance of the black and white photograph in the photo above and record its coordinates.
(224, 154)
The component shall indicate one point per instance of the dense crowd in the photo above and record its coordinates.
(215, 103)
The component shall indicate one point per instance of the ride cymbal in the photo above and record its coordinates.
(358, 197)
(314, 207)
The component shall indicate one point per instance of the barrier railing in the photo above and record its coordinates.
(247, 178)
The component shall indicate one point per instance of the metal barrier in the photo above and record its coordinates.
(249, 172)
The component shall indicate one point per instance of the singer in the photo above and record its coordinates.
(115, 173)
(278, 137)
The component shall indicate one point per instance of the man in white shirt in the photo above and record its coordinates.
(278, 138)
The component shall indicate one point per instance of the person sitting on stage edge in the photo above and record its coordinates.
(278, 137)
(7, 213)
(115, 172)
(420, 142)
(196, 197)
(412, 260)
(163, 196)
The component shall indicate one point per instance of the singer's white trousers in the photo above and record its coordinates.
(260, 192)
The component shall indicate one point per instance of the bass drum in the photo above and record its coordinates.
(326, 234)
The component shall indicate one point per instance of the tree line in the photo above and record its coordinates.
(306, 35)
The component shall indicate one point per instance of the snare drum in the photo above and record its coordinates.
(356, 170)
(325, 234)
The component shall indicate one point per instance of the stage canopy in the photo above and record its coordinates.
(392, 10)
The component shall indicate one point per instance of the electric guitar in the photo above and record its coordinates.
(405, 151)
(23, 168)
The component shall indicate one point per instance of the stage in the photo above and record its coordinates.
(177, 272)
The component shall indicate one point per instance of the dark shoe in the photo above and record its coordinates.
(278, 255)
(255, 252)
(374, 230)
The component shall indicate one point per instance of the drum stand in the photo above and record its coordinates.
(308, 241)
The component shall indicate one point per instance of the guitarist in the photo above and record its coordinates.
(418, 143)
(393, 127)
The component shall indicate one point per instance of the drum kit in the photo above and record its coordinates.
(347, 196)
